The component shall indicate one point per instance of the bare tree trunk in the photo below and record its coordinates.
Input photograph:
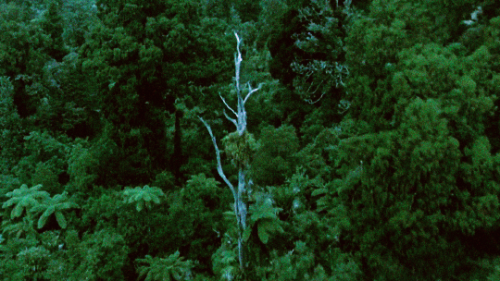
(239, 195)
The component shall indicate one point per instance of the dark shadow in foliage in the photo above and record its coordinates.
(52, 24)
(88, 128)
(247, 10)
(274, 159)
(177, 159)
(283, 49)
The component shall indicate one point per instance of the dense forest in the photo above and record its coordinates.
(250, 140)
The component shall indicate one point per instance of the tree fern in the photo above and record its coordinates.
(36, 201)
(54, 205)
(24, 198)
(142, 196)
(17, 229)
(165, 269)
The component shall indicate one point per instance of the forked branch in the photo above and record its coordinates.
(227, 105)
(251, 91)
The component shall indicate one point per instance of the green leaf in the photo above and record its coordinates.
(38, 208)
(246, 234)
(50, 210)
(61, 220)
(262, 232)
(140, 206)
(142, 196)
(17, 211)
(8, 203)
(264, 211)
(42, 221)
(319, 191)
(155, 199)
(69, 205)
(267, 227)
(322, 204)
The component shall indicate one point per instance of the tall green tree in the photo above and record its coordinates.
(418, 173)
(146, 56)
(52, 24)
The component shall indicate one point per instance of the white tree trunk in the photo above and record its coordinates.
(239, 195)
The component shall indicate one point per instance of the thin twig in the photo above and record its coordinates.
(252, 91)
(227, 105)
(309, 101)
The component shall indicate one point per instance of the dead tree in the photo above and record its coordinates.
(241, 135)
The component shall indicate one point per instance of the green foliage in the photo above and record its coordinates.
(225, 260)
(300, 263)
(164, 180)
(54, 205)
(172, 267)
(36, 201)
(196, 215)
(10, 126)
(409, 176)
(270, 17)
(78, 16)
(377, 157)
(142, 196)
(28, 261)
(25, 198)
(82, 166)
(264, 217)
(52, 24)
(45, 153)
(17, 229)
(274, 159)
(319, 225)
(45, 176)
(100, 255)
(145, 57)
(16, 31)
(202, 187)
(239, 148)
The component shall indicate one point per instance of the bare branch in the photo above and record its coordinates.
(219, 162)
(227, 105)
(309, 101)
(251, 91)
(317, 88)
(344, 105)
(231, 119)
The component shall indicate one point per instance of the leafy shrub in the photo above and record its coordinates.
(25, 198)
(264, 216)
(273, 161)
(97, 256)
(165, 269)
(239, 148)
(81, 167)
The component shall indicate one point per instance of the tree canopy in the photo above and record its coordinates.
(367, 141)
